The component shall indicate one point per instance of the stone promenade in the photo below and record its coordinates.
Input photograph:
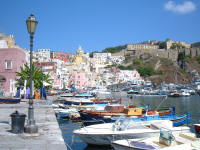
(49, 136)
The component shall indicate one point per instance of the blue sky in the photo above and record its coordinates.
(98, 24)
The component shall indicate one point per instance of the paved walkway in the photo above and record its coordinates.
(49, 136)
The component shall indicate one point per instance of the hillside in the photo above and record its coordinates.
(164, 69)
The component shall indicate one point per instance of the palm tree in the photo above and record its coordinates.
(37, 77)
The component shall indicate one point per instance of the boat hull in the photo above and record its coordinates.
(10, 100)
(107, 138)
(197, 128)
(121, 147)
(90, 118)
(71, 102)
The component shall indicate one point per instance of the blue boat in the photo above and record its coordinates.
(178, 120)
(65, 113)
(9, 100)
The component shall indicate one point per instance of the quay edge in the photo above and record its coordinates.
(49, 136)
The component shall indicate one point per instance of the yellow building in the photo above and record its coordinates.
(7, 41)
(79, 56)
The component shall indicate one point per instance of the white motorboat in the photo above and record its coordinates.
(166, 141)
(185, 93)
(104, 134)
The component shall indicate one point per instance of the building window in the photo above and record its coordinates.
(8, 64)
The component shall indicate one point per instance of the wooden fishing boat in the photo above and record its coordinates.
(135, 113)
(112, 111)
(166, 110)
(9, 100)
(119, 110)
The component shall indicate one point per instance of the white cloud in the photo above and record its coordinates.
(184, 8)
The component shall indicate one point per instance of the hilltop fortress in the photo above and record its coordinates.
(168, 49)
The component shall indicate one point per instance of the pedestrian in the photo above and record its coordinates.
(22, 93)
(44, 93)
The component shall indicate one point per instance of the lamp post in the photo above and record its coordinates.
(31, 127)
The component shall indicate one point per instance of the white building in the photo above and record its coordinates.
(42, 55)
(102, 56)
(117, 59)
(3, 43)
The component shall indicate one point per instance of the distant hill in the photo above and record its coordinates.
(183, 70)
(114, 49)
(158, 69)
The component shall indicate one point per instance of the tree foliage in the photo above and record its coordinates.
(162, 45)
(137, 62)
(110, 50)
(146, 71)
(177, 46)
(198, 59)
(121, 67)
(183, 58)
(37, 76)
(91, 54)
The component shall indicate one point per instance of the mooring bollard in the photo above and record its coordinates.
(17, 122)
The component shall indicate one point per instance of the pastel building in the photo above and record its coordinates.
(10, 61)
(80, 80)
(65, 57)
(128, 75)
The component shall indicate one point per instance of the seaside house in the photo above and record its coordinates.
(10, 62)
(11, 58)
(80, 80)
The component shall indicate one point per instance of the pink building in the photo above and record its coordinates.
(10, 61)
(79, 80)
(129, 75)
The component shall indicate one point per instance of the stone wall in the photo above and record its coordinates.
(191, 51)
(171, 54)
(195, 45)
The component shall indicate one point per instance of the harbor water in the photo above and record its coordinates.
(183, 105)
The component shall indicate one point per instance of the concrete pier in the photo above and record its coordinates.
(49, 136)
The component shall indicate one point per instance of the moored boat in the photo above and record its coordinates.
(104, 134)
(197, 128)
(119, 110)
(166, 141)
(174, 94)
(9, 100)
(177, 120)
(83, 101)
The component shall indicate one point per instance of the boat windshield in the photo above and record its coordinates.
(124, 123)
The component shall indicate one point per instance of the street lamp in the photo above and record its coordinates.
(31, 23)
